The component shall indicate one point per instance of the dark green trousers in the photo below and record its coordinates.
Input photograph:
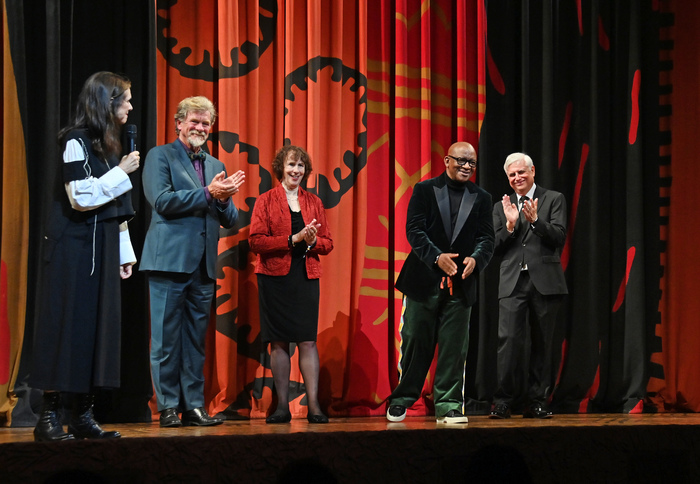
(443, 321)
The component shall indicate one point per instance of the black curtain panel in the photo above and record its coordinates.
(575, 85)
(55, 46)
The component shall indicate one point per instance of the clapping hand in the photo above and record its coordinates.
(307, 234)
(530, 210)
(310, 232)
(511, 212)
(222, 188)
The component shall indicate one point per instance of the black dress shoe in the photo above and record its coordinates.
(200, 418)
(279, 417)
(500, 410)
(169, 418)
(317, 419)
(537, 410)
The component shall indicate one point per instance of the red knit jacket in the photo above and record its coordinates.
(271, 226)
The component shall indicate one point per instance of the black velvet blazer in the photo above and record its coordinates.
(428, 230)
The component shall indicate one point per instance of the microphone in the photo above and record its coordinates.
(131, 137)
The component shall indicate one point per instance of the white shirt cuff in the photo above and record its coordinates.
(126, 250)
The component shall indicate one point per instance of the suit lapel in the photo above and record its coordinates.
(208, 170)
(442, 196)
(541, 195)
(465, 208)
(187, 164)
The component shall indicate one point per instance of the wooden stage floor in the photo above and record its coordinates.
(376, 424)
(566, 448)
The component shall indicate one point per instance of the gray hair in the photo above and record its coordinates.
(515, 157)
(194, 104)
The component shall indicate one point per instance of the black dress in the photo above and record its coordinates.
(289, 304)
(77, 331)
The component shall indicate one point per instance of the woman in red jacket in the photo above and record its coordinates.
(288, 231)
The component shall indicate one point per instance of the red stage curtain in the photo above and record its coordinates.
(278, 72)
(296, 72)
(426, 78)
(679, 388)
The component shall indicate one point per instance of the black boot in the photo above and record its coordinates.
(82, 423)
(49, 428)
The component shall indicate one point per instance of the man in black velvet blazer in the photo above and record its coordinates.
(449, 227)
(530, 227)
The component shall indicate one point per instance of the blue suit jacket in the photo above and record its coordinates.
(429, 231)
(184, 226)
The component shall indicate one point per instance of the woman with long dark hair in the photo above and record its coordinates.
(86, 249)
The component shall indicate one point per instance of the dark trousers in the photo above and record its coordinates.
(441, 320)
(514, 311)
(180, 308)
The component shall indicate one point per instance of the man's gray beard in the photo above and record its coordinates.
(196, 142)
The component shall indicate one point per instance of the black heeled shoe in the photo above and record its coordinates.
(279, 417)
(317, 419)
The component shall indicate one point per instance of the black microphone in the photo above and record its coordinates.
(131, 137)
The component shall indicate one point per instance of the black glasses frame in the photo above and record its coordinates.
(463, 161)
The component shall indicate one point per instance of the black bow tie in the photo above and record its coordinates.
(200, 155)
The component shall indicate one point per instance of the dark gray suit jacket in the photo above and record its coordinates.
(538, 247)
(184, 226)
(429, 231)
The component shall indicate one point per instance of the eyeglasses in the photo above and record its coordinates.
(464, 161)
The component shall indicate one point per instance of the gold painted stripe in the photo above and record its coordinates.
(372, 292)
(384, 139)
(375, 274)
(376, 253)
(383, 317)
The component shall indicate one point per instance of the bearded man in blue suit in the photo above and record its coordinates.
(190, 197)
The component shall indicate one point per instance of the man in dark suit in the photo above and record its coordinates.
(449, 227)
(530, 227)
(190, 197)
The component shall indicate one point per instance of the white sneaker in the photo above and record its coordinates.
(395, 413)
(453, 417)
